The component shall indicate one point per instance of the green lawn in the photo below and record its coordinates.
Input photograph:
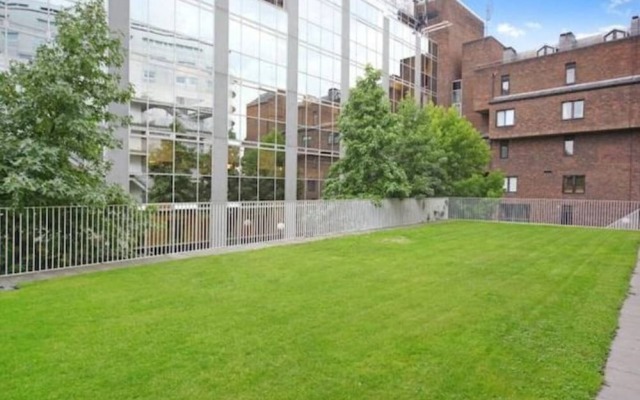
(446, 311)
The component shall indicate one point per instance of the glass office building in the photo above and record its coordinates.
(239, 100)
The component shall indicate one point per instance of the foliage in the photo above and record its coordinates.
(55, 122)
(55, 125)
(369, 132)
(445, 311)
(416, 152)
(466, 156)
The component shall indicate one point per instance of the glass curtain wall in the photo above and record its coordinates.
(319, 74)
(25, 25)
(171, 68)
(257, 112)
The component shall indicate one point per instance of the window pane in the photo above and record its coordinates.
(579, 184)
(504, 149)
(505, 85)
(571, 74)
(566, 110)
(500, 118)
(578, 109)
(513, 184)
(568, 147)
(567, 184)
(505, 187)
(509, 118)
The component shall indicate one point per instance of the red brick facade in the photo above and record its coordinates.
(606, 137)
(464, 27)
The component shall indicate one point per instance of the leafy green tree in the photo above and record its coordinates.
(465, 156)
(369, 132)
(416, 152)
(55, 125)
(416, 149)
(55, 122)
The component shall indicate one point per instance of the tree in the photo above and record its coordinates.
(369, 132)
(416, 150)
(428, 151)
(55, 122)
(466, 156)
(55, 125)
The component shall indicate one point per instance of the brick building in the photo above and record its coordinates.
(562, 121)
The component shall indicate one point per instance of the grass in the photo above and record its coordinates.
(447, 311)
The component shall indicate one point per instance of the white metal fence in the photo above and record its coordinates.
(43, 239)
(587, 213)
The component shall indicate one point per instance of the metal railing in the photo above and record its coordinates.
(42, 239)
(586, 213)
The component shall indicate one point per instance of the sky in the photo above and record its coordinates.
(529, 24)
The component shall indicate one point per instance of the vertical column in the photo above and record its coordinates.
(218, 220)
(118, 12)
(291, 148)
(418, 69)
(346, 65)
(385, 54)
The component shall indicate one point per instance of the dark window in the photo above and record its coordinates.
(312, 186)
(505, 86)
(566, 215)
(568, 145)
(573, 184)
(279, 3)
(515, 212)
(570, 73)
(504, 149)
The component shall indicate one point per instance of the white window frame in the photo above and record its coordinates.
(506, 118)
(572, 110)
(570, 73)
(510, 184)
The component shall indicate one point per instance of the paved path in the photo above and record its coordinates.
(622, 373)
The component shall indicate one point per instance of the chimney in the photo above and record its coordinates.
(567, 41)
(635, 26)
(509, 54)
(334, 95)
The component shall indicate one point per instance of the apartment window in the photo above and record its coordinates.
(573, 109)
(505, 86)
(504, 149)
(573, 184)
(456, 92)
(149, 76)
(505, 118)
(181, 79)
(568, 145)
(570, 73)
(511, 184)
